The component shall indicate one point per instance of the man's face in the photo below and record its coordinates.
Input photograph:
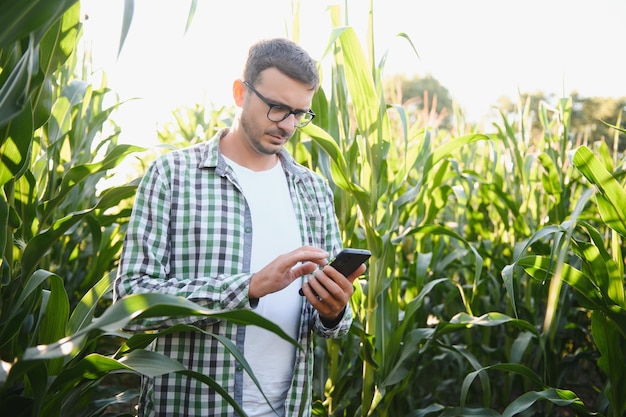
(263, 135)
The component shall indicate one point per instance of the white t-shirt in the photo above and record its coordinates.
(275, 231)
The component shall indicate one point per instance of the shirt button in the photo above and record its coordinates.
(248, 230)
(239, 368)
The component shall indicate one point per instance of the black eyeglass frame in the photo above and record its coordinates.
(298, 114)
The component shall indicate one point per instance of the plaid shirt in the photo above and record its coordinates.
(190, 235)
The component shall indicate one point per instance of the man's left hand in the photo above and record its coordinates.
(329, 291)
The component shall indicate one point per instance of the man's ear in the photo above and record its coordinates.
(239, 92)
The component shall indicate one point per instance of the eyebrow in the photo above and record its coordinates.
(275, 103)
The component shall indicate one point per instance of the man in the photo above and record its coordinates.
(235, 223)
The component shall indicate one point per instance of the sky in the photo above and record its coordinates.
(480, 50)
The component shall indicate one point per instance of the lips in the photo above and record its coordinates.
(279, 137)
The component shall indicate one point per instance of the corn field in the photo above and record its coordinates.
(496, 285)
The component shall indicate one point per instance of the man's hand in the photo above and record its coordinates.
(286, 268)
(329, 291)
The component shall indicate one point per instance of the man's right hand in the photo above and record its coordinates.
(285, 269)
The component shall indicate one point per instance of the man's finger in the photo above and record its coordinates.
(306, 254)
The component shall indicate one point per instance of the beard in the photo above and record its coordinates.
(268, 141)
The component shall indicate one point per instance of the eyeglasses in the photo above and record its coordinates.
(279, 112)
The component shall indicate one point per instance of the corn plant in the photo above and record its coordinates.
(596, 273)
(383, 205)
(495, 286)
(443, 216)
(61, 232)
(439, 331)
(452, 318)
(60, 239)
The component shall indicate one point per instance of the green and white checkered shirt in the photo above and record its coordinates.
(190, 234)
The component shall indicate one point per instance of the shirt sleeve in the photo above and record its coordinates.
(339, 330)
(145, 261)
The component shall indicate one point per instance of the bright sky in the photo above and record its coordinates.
(479, 50)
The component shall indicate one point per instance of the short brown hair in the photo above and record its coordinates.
(284, 55)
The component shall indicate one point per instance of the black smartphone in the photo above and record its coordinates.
(349, 259)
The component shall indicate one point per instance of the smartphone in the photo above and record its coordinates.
(348, 260)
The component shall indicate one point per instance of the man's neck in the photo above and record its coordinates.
(248, 158)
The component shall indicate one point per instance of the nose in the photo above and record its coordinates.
(288, 124)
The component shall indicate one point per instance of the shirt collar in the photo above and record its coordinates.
(212, 157)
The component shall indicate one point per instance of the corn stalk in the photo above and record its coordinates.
(380, 200)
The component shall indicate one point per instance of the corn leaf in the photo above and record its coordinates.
(610, 345)
(612, 197)
(18, 19)
(589, 294)
(556, 396)
(15, 147)
(151, 364)
(79, 173)
(52, 325)
(84, 311)
(42, 242)
(135, 306)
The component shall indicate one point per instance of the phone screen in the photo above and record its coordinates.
(349, 259)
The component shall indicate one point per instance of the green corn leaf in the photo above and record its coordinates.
(60, 40)
(444, 231)
(192, 13)
(52, 326)
(612, 197)
(129, 11)
(95, 366)
(328, 144)
(38, 377)
(541, 268)
(527, 400)
(84, 311)
(4, 224)
(359, 81)
(414, 305)
(589, 294)
(556, 396)
(61, 118)
(610, 214)
(32, 283)
(479, 371)
(142, 340)
(16, 89)
(463, 321)
(135, 306)
(79, 173)
(551, 182)
(18, 19)
(42, 242)
(610, 345)
(448, 147)
(465, 411)
(15, 146)
(100, 406)
(520, 249)
(408, 349)
(339, 166)
(602, 266)
(49, 328)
